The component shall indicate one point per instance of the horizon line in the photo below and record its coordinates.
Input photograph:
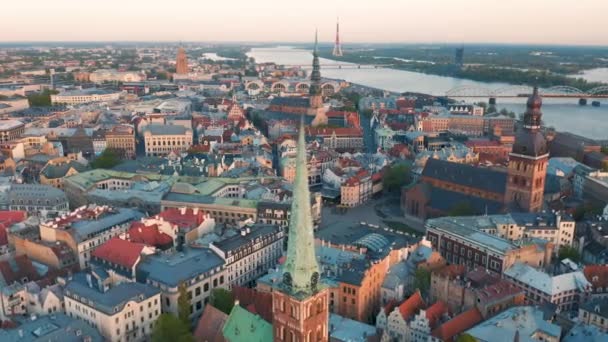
(246, 42)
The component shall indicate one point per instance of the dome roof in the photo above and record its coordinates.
(530, 143)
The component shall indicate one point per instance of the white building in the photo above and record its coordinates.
(567, 290)
(161, 140)
(250, 254)
(111, 75)
(120, 311)
(43, 301)
(200, 270)
(85, 96)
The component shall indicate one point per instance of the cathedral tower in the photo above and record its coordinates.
(315, 99)
(181, 62)
(528, 160)
(299, 301)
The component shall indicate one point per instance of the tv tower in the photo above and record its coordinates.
(337, 47)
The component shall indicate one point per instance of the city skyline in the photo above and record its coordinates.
(388, 21)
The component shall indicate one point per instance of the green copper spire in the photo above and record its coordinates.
(301, 271)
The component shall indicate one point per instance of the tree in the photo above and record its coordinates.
(567, 252)
(106, 160)
(461, 209)
(396, 176)
(222, 300)
(422, 280)
(170, 328)
(42, 99)
(183, 305)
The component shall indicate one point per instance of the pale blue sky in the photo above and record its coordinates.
(504, 21)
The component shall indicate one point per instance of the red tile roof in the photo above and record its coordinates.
(12, 216)
(464, 321)
(184, 218)
(435, 311)
(18, 269)
(597, 275)
(7, 219)
(502, 289)
(210, 325)
(452, 271)
(149, 235)
(390, 306)
(411, 305)
(120, 252)
(257, 302)
(3, 235)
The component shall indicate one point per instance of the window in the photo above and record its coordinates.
(197, 291)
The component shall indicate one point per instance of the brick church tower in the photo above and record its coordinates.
(181, 63)
(528, 161)
(300, 302)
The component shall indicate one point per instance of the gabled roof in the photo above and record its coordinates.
(120, 252)
(435, 311)
(411, 306)
(466, 175)
(18, 269)
(53, 171)
(149, 235)
(256, 302)
(210, 325)
(245, 326)
(448, 330)
(597, 275)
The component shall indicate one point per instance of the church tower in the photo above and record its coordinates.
(181, 62)
(299, 301)
(315, 95)
(528, 160)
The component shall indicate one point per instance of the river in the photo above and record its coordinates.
(563, 114)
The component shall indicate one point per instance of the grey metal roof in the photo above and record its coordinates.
(59, 171)
(111, 301)
(237, 241)
(57, 327)
(173, 269)
(467, 175)
(157, 129)
(84, 228)
(36, 194)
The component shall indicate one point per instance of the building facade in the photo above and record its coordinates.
(160, 140)
(250, 254)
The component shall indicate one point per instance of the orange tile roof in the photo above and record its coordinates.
(435, 311)
(411, 305)
(118, 251)
(464, 321)
(597, 272)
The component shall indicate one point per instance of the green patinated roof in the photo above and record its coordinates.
(245, 326)
(88, 178)
(301, 263)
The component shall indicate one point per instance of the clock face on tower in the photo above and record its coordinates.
(287, 279)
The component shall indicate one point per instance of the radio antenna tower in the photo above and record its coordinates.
(337, 47)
